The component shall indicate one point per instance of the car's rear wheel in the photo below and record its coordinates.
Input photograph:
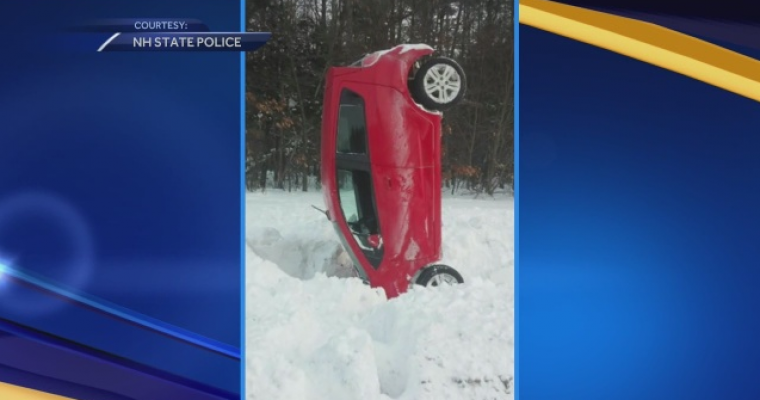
(438, 275)
(439, 84)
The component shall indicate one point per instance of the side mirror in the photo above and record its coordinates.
(375, 241)
(325, 212)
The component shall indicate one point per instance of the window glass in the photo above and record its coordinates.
(352, 128)
(356, 202)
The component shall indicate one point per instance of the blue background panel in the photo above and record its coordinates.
(120, 177)
(638, 218)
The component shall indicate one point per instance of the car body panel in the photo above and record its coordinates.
(402, 158)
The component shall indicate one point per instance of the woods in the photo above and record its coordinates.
(284, 82)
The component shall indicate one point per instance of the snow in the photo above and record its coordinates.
(421, 107)
(372, 58)
(315, 332)
(409, 47)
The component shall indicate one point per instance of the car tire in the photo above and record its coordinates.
(435, 275)
(439, 84)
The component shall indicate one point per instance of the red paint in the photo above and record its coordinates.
(404, 161)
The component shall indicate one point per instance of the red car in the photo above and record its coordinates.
(381, 163)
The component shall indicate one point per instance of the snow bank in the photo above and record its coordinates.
(312, 335)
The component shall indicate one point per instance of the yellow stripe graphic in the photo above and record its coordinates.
(8, 391)
(649, 43)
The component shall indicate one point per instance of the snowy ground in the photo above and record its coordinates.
(313, 334)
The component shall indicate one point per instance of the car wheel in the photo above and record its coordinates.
(438, 275)
(439, 84)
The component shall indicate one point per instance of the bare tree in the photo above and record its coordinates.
(285, 81)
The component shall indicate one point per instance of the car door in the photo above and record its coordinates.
(354, 180)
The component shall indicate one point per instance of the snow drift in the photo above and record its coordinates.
(315, 332)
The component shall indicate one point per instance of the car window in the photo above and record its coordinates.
(348, 196)
(356, 201)
(352, 127)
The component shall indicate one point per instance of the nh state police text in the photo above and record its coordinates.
(187, 41)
